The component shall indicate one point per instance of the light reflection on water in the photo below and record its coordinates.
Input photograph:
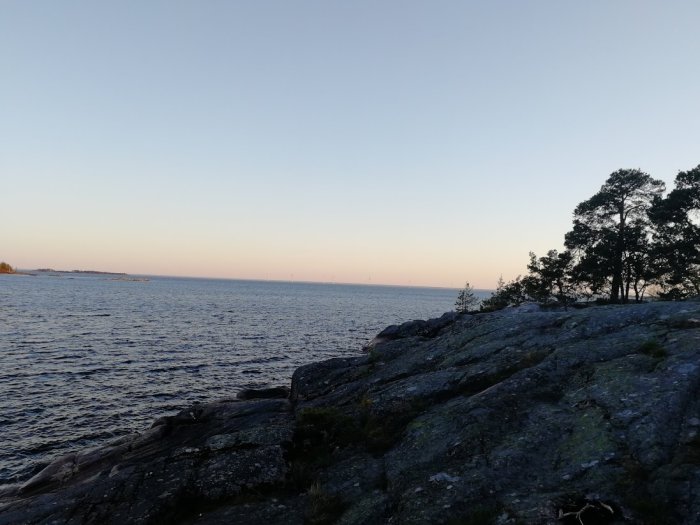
(85, 359)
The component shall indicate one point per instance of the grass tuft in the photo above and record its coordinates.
(652, 348)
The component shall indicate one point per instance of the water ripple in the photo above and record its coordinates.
(85, 360)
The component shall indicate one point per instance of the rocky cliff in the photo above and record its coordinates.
(519, 416)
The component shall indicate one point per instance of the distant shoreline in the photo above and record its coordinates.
(49, 271)
(89, 272)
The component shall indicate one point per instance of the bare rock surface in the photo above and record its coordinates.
(527, 416)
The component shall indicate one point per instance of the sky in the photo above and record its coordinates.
(392, 142)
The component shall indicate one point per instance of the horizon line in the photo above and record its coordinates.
(286, 281)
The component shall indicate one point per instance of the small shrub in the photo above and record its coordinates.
(506, 294)
(652, 348)
(323, 508)
(373, 356)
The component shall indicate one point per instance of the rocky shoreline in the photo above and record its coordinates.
(517, 416)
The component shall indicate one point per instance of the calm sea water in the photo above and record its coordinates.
(84, 359)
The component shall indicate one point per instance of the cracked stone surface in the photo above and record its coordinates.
(520, 416)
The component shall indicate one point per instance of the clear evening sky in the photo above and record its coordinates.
(397, 142)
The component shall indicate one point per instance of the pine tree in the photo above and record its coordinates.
(466, 300)
(610, 230)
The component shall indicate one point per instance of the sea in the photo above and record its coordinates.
(86, 358)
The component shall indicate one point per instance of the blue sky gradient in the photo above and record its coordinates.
(422, 143)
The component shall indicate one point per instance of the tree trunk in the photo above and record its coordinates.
(617, 276)
(617, 264)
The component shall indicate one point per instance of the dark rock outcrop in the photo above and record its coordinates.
(519, 416)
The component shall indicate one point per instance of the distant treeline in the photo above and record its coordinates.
(628, 239)
(6, 268)
(91, 272)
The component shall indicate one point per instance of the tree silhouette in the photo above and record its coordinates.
(610, 231)
(466, 300)
(676, 249)
(550, 277)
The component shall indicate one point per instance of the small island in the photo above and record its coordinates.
(6, 268)
(88, 272)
